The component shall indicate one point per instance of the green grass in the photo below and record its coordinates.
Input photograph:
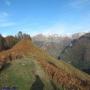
(21, 74)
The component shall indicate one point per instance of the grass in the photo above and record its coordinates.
(70, 69)
(18, 74)
(22, 74)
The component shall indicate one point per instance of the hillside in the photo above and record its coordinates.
(52, 44)
(77, 52)
(26, 66)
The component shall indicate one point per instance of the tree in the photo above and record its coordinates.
(21, 35)
(2, 43)
(10, 41)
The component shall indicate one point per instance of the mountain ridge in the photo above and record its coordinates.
(78, 52)
(58, 71)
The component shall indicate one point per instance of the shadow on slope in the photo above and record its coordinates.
(38, 84)
(5, 66)
(54, 86)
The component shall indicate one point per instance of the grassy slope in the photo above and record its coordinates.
(27, 48)
(21, 74)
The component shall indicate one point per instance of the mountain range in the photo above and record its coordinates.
(77, 52)
(27, 67)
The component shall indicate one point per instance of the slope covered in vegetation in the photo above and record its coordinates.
(59, 73)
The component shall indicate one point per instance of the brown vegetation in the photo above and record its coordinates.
(67, 80)
(26, 48)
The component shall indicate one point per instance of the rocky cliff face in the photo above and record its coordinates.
(78, 52)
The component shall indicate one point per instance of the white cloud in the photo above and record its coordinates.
(60, 29)
(7, 2)
(55, 29)
(78, 3)
(3, 14)
(65, 29)
(3, 17)
(4, 20)
(6, 24)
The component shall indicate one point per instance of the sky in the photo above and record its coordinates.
(44, 16)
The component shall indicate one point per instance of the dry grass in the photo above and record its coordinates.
(26, 48)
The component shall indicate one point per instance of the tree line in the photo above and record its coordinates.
(9, 41)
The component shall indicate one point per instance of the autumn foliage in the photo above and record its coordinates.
(26, 48)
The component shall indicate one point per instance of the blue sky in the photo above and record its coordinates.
(44, 16)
